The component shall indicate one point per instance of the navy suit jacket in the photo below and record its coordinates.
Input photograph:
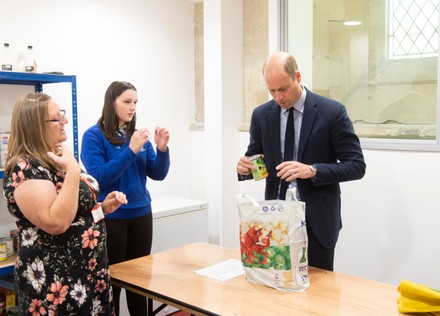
(327, 139)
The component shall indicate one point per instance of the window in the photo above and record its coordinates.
(384, 69)
(413, 28)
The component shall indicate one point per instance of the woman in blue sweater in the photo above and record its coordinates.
(121, 158)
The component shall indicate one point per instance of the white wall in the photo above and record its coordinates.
(391, 217)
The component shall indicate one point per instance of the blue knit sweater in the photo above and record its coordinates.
(117, 168)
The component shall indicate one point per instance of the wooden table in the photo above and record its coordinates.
(169, 277)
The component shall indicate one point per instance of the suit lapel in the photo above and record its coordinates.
(273, 129)
(309, 116)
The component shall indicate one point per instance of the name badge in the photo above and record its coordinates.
(97, 213)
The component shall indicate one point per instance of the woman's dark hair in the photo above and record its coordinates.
(109, 121)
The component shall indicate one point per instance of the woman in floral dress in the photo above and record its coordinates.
(62, 265)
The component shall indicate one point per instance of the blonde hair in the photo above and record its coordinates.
(29, 133)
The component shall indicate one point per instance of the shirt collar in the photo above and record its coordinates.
(299, 104)
(122, 132)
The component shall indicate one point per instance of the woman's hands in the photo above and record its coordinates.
(138, 139)
(112, 202)
(142, 135)
(161, 138)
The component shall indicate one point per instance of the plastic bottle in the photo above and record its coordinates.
(30, 60)
(20, 61)
(6, 58)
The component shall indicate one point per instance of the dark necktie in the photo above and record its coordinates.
(289, 142)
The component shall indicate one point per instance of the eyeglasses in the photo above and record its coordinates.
(58, 120)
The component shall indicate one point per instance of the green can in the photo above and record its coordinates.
(260, 172)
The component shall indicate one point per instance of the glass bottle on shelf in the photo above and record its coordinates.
(30, 60)
(6, 58)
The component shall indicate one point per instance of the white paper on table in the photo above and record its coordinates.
(223, 271)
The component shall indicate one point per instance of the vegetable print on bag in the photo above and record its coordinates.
(273, 242)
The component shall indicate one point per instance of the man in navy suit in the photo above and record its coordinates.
(326, 152)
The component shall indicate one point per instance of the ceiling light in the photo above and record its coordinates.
(351, 23)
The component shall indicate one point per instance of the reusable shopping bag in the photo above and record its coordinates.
(273, 242)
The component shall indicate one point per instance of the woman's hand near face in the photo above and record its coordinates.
(65, 158)
(161, 138)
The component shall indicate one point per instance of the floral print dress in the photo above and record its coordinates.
(64, 274)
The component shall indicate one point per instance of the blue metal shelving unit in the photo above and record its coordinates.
(38, 81)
